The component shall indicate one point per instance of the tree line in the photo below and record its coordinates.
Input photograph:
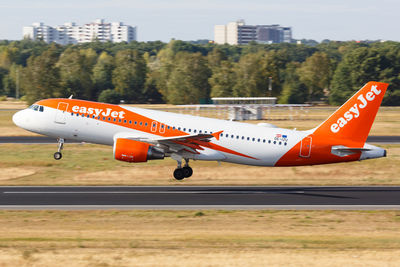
(181, 72)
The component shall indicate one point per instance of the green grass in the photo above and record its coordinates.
(87, 164)
(6, 118)
(236, 230)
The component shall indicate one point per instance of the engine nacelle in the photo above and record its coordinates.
(135, 151)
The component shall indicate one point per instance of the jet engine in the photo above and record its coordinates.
(135, 151)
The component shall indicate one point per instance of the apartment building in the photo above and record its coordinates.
(71, 33)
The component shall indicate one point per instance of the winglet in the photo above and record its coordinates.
(217, 135)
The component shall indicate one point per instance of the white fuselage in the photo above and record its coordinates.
(263, 145)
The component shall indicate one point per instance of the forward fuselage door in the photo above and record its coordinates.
(61, 113)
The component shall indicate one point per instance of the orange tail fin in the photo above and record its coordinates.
(352, 122)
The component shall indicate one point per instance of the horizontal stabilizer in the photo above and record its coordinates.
(343, 151)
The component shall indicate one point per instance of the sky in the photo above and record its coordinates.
(192, 20)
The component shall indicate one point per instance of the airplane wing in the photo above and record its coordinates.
(190, 143)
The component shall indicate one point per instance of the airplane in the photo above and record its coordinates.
(139, 135)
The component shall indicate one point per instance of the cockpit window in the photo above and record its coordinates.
(37, 108)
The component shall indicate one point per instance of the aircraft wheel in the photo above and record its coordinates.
(187, 171)
(179, 174)
(57, 155)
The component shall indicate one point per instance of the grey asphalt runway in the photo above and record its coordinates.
(29, 140)
(199, 197)
(48, 140)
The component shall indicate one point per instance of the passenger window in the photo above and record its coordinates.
(145, 124)
(72, 114)
(248, 138)
(263, 140)
(242, 137)
(87, 116)
(109, 119)
(258, 140)
(141, 123)
(253, 139)
(130, 122)
(226, 135)
(269, 141)
(231, 135)
(274, 142)
(190, 130)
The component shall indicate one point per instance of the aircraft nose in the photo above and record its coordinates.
(18, 118)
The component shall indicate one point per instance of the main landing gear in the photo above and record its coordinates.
(58, 155)
(183, 172)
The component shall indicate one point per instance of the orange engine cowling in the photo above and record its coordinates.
(135, 151)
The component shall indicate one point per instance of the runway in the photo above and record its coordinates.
(199, 197)
(47, 140)
(30, 140)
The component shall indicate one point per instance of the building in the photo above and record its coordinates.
(70, 33)
(238, 32)
(40, 32)
(121, 32)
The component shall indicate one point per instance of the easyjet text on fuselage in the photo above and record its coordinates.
(99, 112)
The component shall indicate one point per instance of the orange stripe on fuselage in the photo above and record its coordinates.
(127, 115)
(222, 149)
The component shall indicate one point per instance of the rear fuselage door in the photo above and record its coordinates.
(61, 113)
(305, 149)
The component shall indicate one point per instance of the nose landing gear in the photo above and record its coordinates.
(58, 155)
(183, 172)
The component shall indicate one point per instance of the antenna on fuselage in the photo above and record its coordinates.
(70, 97)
